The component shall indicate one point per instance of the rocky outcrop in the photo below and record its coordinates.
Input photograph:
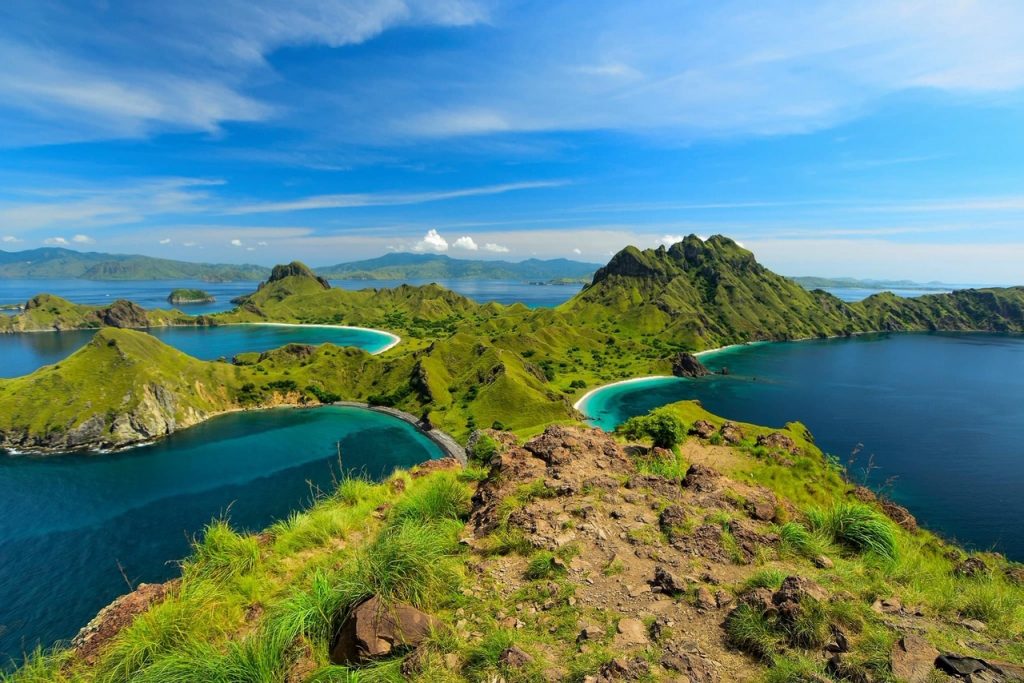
(125, 314)
(115, 617)
(372, 630)
(296, 269)
(190, 296)
(687, 365)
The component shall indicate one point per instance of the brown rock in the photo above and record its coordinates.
(702, 429)
(373, 630)
(971, 567)
(692, 667)
(116, 616)
(762, 507)
(632, 631)
(705, 601)
(823, 562)
(888, 606)
(792, 593)
(701, 478)
(687, 365)
(514, 658)
(671, 518)
(665, 581)
(913, 659)
(759, 598)
(731, 433)
(899, 514)
(777, 441)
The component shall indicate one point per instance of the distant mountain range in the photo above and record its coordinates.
(404, 266)
(812, 282)
(52, 263)
(56, 263)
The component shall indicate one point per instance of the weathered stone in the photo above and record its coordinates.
(672, 518)
(701, 478)
(823, 562)
(591, 633)
(898, 514)
(971, 567)
(631, 632)
(514, 658)
(762, 507)
(887, 606)
(116, 616)
(702, 429)
(705, 601)
(373, 630)
(665, 581)
(692, 667)
(792, 593)
(759, 598)
(777, 441)
(913, 659)
(731, 433)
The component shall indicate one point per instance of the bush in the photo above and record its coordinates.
(858, 527)
(663, 428)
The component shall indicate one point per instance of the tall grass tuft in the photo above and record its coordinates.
(222, 553)
(797, 539)
(858, 527)
(442, 497)
(750, 630)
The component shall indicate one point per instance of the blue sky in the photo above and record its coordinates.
(871, 139)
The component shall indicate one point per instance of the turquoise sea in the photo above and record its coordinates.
(68, 523)
(939, 417)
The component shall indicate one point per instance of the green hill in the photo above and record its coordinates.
(53, 263)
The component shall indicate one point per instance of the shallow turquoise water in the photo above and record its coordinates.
(66, 522)
(21, 354)
(941, 415)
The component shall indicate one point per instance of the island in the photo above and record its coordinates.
(189, 296)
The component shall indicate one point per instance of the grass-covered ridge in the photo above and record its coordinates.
(540, 563)
(464, 365)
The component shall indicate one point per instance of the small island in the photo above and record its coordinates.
(190, 296)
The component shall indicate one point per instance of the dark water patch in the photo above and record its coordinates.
(67, 522)
(939, 416)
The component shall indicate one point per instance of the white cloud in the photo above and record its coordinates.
(166, 240)
(188, 244)
(669, 240)
(236, 243)
(261, 243)
(55, 241)
(432, 241)
(82, 239)
(10, 239)
(496, 248)
(465, 242)
(577, 251)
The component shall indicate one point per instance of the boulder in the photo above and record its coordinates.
(372, 630)
(702, 429)
(687, 365)
(671, 518)
(971, 567)
(731, 433)
(705, 601)
(691, 667)
(913, 659)
(980, 670)
(514, 658)
(899, 514)
(762, 507)
(632, 631)
(792, 593)
(887, 606)
(777, 441)
(701, 478)
(665, 581)
(117, 616)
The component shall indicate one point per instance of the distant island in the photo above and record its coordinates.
(404, 266)
(814, 282)
(190, 296)
(52, 263)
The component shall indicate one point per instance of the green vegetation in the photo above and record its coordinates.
(858, 527)
(662, 427)
(189, 296)
(440, 267)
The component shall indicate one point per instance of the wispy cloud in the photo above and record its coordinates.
(345, 201)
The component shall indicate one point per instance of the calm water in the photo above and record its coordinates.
(942, 413)
(20, 354)
(66, 522)
(153, 294)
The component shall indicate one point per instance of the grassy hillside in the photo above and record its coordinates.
(576, 557)
(56, 263)
(47, 312)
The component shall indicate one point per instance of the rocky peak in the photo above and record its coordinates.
(295, 269)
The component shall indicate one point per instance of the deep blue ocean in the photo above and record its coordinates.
(940, 416)
(67, 522)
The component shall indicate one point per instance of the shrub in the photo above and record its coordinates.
(443, 497)
(544, 565)
(663, 428)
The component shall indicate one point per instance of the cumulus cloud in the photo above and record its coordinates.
(669, 240)
(465, 242)
(496, 248)
(55, 241)
(82, 239)
(432, 241)
(166, 240)
(188, 244)
(10, 239)
(577, 251)
(236, 243)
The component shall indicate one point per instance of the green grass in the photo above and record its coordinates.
(222, 553)
(858, 527)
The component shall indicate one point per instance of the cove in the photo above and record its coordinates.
(28, 351)
(67, 522)
(942, 416)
